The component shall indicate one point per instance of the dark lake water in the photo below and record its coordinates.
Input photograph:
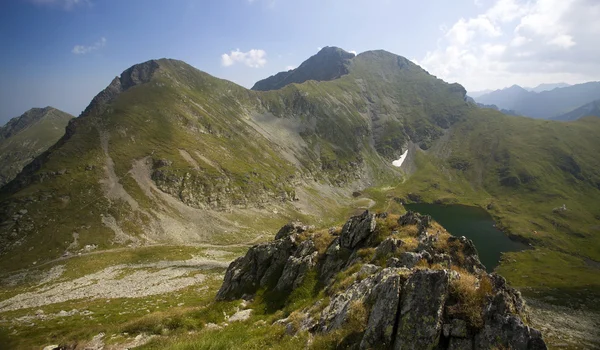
(475, 224)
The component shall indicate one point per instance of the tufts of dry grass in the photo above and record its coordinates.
(471, 294)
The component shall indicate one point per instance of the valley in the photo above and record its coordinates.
(122, 232)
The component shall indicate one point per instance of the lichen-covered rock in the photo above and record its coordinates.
(291, 228)
(389, 246)
(357, 229)
(409, 259)
(297, 266)
(380, 327)
(262, 265)
(336, 257)
(336, 313)
(504, 328)
(398, 305)
(421, 306)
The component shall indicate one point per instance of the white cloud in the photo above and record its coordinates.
(287, 68)
(353, 51)
(523, 42)
(253, 58)
(319, 48)
(82, 50)
(65, 4)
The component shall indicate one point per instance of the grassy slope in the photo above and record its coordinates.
(20, 148)
(523, 169)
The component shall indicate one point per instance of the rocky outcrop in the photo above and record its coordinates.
(135, 75)
(421, 309)
(415, 300)
(262, 265)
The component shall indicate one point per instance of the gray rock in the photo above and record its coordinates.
(357, 229)
(459, 328)
(367, 270)
(336, 257)
(389, 246)
(336, 313)
(241, 315)
(460, 344)
(442, 259)
(380, 327)
(421, 306)
(261, 266)
(297, 266)
(409, 259)
(502, 328)
(291, 228)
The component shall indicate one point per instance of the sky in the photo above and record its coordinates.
(63, 52)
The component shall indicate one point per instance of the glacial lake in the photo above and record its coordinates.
(475, 224)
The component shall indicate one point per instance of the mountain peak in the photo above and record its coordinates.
(135, 75)
(328, 64)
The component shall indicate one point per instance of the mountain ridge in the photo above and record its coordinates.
(186, 158)
(545, 104)
(25, 137)
(328, 64)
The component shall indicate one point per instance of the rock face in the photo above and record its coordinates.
(435, 297)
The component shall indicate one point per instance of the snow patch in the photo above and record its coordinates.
(398, 162)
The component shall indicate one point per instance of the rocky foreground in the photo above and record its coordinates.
(384, 282)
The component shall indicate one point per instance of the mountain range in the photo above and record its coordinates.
(170, 155)
(551, 103)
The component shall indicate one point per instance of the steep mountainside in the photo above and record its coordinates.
(328, 64)
(590, 109)
(545, 104)
(167, 153)
(25, 137)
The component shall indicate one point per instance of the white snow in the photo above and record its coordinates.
(398, 163)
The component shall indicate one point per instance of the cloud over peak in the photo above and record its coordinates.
(82, 50)
(254, 58)
(520, 41)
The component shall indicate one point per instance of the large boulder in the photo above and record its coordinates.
(380, 327)
(261, 266)
(421, 307)
(297, 266)
(389, 246)
(357, 229)
(336, 313)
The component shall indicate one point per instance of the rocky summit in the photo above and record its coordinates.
(384, 282)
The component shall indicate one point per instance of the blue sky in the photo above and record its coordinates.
(63, 52)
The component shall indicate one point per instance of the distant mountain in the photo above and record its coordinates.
(504, 98)
(545, 104)
(589, 109)
(328, 64)
(475, 94)
(547, 87)
(25, 137)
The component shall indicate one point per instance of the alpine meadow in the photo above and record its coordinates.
(345, 203)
